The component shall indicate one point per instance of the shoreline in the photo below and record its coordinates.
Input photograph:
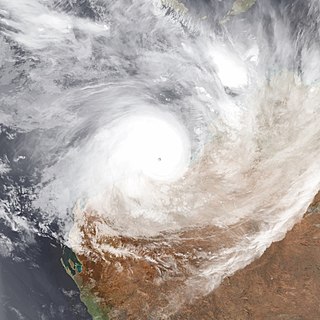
(278, 285)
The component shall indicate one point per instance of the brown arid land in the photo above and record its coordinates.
(283, 284)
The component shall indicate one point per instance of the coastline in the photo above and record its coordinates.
(278, 285)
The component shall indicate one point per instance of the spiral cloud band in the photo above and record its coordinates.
(177, 128)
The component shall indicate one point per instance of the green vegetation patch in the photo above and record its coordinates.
(70, 261)
(73, 267)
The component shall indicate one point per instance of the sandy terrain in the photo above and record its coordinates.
(283, 284)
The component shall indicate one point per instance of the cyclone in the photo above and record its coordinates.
(178, 135)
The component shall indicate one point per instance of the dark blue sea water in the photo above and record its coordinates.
(37, 287)
(43, 118)
(33, 282)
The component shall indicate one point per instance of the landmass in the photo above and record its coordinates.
(283, 284)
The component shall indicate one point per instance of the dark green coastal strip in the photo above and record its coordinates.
(74, 267)
(70, 261)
